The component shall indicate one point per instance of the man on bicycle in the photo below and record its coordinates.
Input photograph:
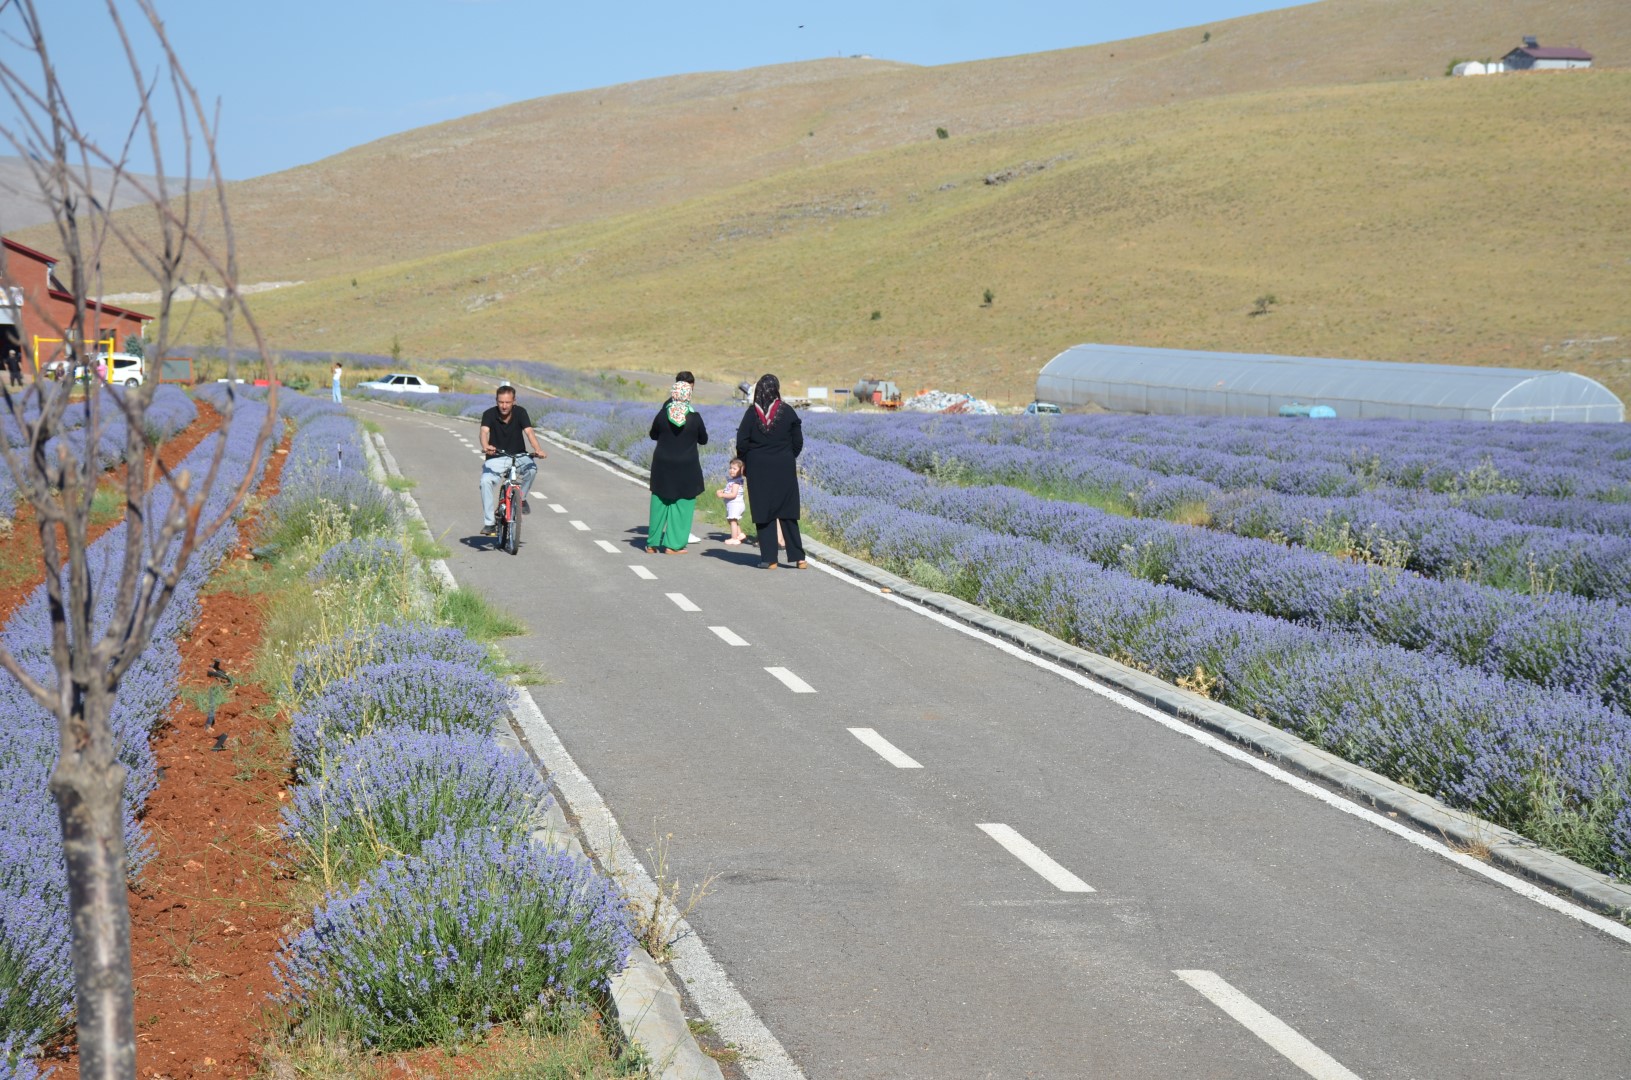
(506, 431)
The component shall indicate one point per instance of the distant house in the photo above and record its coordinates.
(34, 308)
(1533, 56)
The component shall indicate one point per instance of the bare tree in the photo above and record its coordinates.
(164, 521)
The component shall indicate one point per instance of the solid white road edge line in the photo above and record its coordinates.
(727, 635)
(1523, 888)
(613, 469)
(578, 525)
(1266, 1026)
(642, 573)
(682, 603)
(763, 1056)
(1037, 859)
(886, 749)
(607, 546)
(791, 681)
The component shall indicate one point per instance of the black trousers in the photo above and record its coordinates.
(767, 540)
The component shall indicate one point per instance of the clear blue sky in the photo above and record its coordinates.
(299, 80)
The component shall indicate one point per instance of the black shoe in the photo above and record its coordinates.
(526, 507)
(489, 530)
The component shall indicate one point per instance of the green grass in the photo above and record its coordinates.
(473, 613)
(1159, 227)
(400, 484)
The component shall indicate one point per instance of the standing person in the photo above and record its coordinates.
(676, 468)
(769, 441)
(337, 387)
(731, 494)
(506, 435)
(14, 365)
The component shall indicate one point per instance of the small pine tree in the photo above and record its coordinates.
(941, 133)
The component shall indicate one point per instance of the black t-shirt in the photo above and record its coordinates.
(507, 438)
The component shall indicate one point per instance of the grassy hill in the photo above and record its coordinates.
(574, 158)
(1457, 220)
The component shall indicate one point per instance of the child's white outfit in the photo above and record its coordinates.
(735, 502)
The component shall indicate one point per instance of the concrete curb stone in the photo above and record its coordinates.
(1506, 849)
(649, 1008)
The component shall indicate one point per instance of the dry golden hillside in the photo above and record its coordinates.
(580, 157)
(1453, 220)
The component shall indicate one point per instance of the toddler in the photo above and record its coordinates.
(732, 493)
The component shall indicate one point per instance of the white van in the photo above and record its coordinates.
(124, 369)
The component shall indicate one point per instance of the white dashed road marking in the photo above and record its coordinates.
(642, 573)
(791, 681)
(606, 545)
(1266, 1026)
(580, 526)
(539, 495)
(558, 508)
(884, 747)
(1034, 857)
(682, 603)
(727, 635)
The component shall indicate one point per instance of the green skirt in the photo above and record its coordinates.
(670, 523)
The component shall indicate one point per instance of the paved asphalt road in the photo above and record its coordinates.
(881, 919)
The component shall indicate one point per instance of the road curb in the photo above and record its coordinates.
(1506, 849)
(649, 1009)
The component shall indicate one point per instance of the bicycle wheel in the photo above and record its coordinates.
(512, 535)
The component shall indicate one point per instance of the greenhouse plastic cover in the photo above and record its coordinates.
(1128, 378)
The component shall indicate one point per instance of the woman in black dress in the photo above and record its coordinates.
(676, 469)
(768, 441)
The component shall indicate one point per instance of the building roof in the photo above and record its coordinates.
(62, 294)
(23, 249)
(1552, 52)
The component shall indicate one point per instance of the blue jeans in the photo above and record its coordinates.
(492, 475)
(336, 391)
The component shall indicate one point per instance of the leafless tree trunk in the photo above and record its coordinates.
(167, 242)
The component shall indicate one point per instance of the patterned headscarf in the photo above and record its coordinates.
(767, 399)
(679, 404)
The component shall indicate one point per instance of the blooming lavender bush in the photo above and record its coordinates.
(429, 695)
(333, 660)
(398, 786)
(477, 930)
(325, 476)
(16, 1064)
(362, 557)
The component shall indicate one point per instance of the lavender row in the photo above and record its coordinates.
(1592, 460)
(446, 919)
(1550, 764)
(1432, 537)
(1559, 642)
(1131, 464)
(170, 413)
(34, 929)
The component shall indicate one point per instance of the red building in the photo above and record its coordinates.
(35, 309)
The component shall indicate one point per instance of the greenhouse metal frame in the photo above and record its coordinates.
(1180, 382)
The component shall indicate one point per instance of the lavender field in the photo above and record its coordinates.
(1448, 604)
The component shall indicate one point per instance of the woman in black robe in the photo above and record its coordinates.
(768, 441)
(676, 470)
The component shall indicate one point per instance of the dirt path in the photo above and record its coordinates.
(211, 906)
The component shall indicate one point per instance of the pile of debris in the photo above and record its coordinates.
(938, 401)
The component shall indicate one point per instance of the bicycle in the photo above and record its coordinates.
(507, 515)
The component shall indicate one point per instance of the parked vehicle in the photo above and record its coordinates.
(121, 369)
(1039, 408)
(879, 392)
(401, 384)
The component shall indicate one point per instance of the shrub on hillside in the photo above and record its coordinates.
(477, 930)
(398, 787)
(428, 695)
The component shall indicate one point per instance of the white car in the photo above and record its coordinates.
(125, 369)
(401, 384)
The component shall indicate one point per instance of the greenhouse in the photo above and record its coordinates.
(1127, 378)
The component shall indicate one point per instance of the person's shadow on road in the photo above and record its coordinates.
(479, 542)
(741, 556)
